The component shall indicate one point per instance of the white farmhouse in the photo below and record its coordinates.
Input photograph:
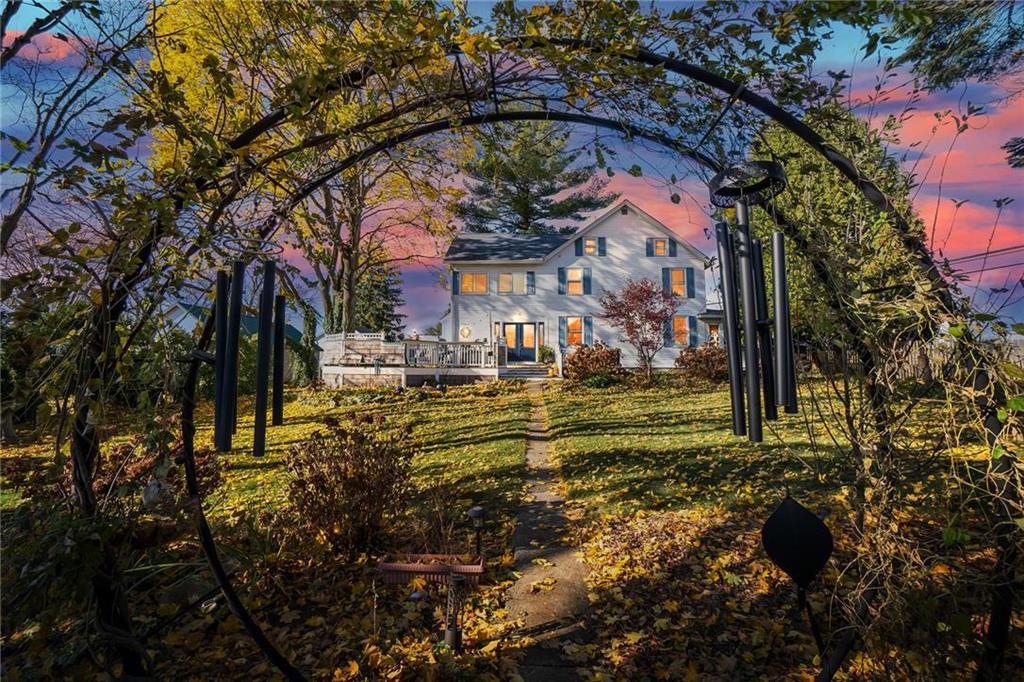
(544, 290)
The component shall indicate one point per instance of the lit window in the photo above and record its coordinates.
(574, 281)
(660, 247)
(680, 331)
(512, 283)
(678, 282)
(474, 283)
(590, 246)
(540, 334)
(574, 331)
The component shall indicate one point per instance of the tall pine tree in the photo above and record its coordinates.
(378, 297)
(518, 172)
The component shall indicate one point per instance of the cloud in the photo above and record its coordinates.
(46, 48)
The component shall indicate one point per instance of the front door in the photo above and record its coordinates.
(520, 339)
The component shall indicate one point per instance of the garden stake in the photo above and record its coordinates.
(453, 619)
(277, 404)
(220, 393)
(259, 429)
(231, 367)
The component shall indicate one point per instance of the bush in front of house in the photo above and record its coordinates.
(708, 364)
(349, 480)
(546, 355)
(597, 366)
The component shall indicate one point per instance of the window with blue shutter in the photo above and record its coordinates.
(579, 246)
(672, 248)
(602, 246)
(586, 281)
(691, 291)
(669, 323)
(666, 279)
(588, 331)
(650, 247)
(455, 282)
(692, 325)
(561, 281)
(563, 331)
(531, 283)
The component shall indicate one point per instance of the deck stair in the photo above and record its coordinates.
(531, 372)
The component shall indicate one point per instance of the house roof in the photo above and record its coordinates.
(250, 323)
(490, 246)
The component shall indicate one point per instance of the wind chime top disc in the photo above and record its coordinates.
(753, 181)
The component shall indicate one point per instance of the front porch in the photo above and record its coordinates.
(360, 359)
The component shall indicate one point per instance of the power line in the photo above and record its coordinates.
(991, 268)
(982, 254)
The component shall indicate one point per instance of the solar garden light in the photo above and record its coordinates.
(453, 619)
(477, 514)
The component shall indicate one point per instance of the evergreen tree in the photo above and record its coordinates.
(518, 172)
(378, 297)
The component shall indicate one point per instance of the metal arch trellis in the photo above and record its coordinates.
(356, 78)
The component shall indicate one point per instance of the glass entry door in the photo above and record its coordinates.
(521, 341)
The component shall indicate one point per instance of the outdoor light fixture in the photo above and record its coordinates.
(477, 515)
(800, 544)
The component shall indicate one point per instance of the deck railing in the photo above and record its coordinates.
(450, 354)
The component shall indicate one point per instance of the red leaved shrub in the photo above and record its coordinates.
(708, 364)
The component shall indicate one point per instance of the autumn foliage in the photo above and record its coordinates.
(350, 479)
(597, 364)
(705, 364)
(641, 310)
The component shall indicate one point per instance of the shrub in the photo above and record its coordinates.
(546, 354)
(349, 480)
(706, 363)
(587, 362)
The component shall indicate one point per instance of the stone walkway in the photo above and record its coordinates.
(550, 597)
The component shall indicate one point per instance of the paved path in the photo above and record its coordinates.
(550, 597)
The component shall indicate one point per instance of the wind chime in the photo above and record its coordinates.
(270, 339)
(762, 367)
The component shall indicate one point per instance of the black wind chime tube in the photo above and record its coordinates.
(764, 334)
(231, 364)
(785, 362)
(263, 343)
(277, 404)
(731, 337)
(754, 433)
(220, 323)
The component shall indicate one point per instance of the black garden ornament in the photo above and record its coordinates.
(800, 544)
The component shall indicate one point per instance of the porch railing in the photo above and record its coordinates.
(451, 354)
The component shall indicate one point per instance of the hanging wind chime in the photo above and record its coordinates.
(761, 359)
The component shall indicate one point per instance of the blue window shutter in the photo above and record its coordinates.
(586, 280)
(650, 246)
(669, 341)
(579, 246)
(531, 282)
(602, 246)
(666, 279)
(561, 281)
(456, 283)
(691, 326)
(588, 330)
(672, 247)
(690, 288)
(563, 331)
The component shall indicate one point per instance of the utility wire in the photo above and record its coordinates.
(975, 256)
(991, 268)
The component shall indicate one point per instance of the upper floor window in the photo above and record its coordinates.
(574, 281)
(590, 246)
(512, 283)
(474, 283)
(660, 247)
(677, 281)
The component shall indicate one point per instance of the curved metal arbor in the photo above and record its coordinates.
(355, 79)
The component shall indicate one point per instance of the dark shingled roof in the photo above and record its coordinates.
(471, 246)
